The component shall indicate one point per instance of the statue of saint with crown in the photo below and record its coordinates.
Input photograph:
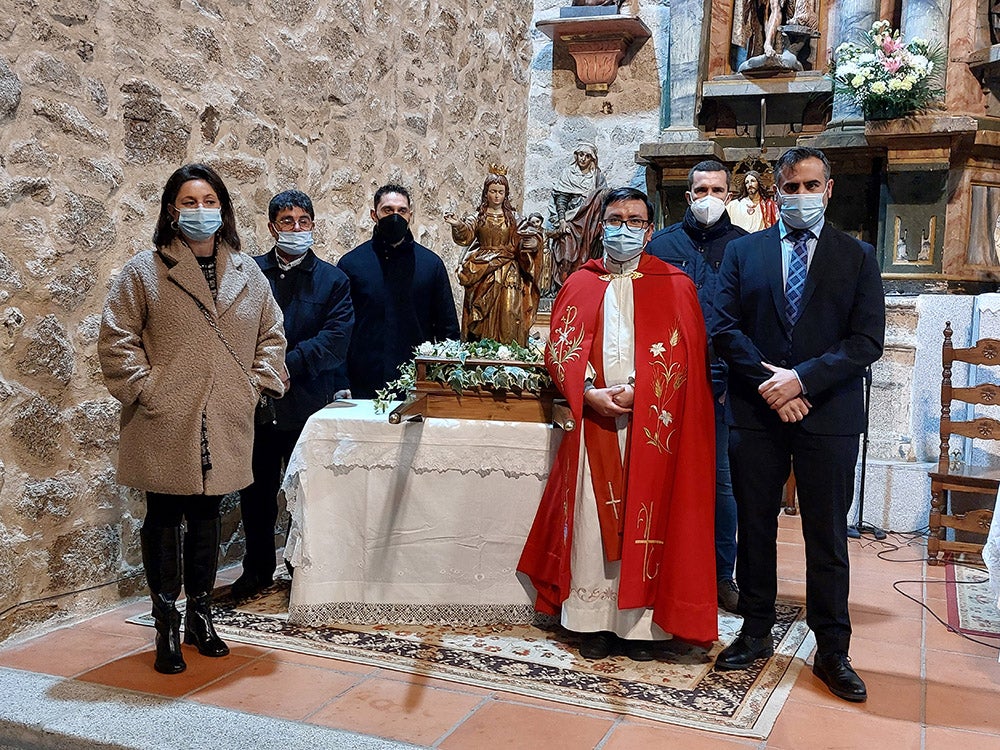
(500, 269)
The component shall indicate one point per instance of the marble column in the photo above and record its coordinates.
(688, 41)
(848, 20)
(929, 20)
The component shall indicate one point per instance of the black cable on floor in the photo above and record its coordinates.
(909, 539)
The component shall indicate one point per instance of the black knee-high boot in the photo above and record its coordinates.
(201, 561)
(161, 557)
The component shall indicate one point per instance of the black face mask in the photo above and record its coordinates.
(392, 228)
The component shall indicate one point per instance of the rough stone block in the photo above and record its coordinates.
(84, 556)
(70, 289)
(50, 497)
(10, 91)
(94, 424)
(153, 132)
(49, 353)
(70, 120)
(37, 427)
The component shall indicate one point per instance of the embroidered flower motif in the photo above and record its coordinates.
(668, 377)
(567, 343)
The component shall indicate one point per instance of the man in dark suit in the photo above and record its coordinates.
(799, 317)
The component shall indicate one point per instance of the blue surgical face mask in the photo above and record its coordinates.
(622, 244)
(801, 210)
(294, 243)
(199, 223)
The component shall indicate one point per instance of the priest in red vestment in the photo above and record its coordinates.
(622, 547)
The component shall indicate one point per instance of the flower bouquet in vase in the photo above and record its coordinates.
(886, 77)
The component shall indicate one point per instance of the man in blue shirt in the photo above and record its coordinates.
(696, 245)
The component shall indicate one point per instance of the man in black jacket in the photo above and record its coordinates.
(696, 245)
(315, 299)
(401, 295)
(799, 317)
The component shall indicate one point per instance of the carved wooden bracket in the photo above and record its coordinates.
(598, 44)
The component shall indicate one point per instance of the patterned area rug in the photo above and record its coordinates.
(972, 609)
(541, 660)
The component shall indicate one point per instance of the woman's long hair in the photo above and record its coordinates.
(166, 230)
(508, 210)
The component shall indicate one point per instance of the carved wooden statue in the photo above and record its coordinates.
(576, 213)
(500, 270)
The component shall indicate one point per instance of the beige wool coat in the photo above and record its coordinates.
(167, 366)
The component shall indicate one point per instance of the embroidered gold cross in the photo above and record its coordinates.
(644, 520)
(613, 502)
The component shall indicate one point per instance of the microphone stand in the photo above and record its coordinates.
(860, 527)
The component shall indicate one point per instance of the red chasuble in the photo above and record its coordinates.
(667, 538)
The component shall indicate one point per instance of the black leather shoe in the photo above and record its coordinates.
(836, 672)
(744, 651)
(246, 586)
(639, 650)
(597, 645)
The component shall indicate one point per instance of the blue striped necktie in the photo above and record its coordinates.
(798, 267)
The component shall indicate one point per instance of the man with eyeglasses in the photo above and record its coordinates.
(315, 298)
(622, 545)
(401, 293)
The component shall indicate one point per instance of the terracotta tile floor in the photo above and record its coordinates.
(929, 689)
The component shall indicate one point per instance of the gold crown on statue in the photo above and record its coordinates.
(499, 169)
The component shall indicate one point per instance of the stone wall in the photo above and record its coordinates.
(99, 102)
(561, 113)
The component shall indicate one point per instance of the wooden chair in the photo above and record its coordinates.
(954, 477)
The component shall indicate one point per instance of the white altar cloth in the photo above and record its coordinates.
(991, 553)
(418, 522)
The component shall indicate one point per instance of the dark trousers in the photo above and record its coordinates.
(167, 510)
(259, 502)
(760, 461)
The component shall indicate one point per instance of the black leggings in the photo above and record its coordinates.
(168, 510)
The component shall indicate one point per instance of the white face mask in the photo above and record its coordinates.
(708, 209)
(294, 243)
(622, 244)
(801, 210)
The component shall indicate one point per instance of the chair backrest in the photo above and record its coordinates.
(985, 353)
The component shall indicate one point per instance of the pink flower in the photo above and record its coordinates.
(891, 46)
(891, 64)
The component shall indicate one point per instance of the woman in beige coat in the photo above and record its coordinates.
(190, 339)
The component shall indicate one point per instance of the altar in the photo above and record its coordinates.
(419, 522)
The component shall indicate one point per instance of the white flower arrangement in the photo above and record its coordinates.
(491, 365)
(887, 78)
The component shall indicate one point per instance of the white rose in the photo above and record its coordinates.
(503, 353)
(426, 349)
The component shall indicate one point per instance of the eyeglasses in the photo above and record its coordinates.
(630, 223)
(287, 223)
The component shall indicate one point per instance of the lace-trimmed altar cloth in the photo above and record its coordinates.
(991, 554)
(420, 522)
